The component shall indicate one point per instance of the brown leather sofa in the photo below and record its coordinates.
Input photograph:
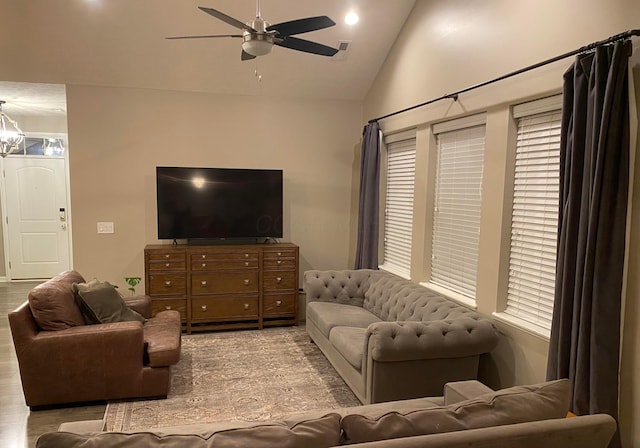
(69, 361)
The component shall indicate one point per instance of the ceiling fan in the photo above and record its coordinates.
(258, 36)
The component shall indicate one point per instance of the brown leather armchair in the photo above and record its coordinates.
(81, 363)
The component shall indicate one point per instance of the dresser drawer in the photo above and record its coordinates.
(279, 280)
(167, 256)
(225, 282)
(167, 284)
(279, 253)
(279, 263)
(224, 308)
(180, 305)
(278, 304)
(224, 256)
(167, 265)
(207, 265)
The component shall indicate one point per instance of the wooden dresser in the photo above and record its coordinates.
(226, 286)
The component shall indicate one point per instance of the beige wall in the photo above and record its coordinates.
(118, 136)
(447, 45)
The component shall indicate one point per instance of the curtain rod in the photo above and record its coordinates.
(454, 96)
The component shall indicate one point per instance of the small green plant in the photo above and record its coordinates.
(132, 282)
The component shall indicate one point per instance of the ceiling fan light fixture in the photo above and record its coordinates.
(257, 45)
(10, 134)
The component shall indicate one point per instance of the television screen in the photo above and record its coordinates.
(210, 203)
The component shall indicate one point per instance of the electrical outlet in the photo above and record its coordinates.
(105, 227)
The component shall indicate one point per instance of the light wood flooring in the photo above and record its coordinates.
(19, 427)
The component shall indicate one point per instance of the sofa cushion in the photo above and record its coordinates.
(514, 405)
(349, 342)
(327, 315)
(53, 305)
(316, 433)
(100, 303)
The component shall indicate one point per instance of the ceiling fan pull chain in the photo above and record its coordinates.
(256, 73)
(258, 9)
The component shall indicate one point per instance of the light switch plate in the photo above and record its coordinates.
(105, 227)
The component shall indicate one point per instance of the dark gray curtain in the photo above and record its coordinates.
(594, 167)
(369, 204)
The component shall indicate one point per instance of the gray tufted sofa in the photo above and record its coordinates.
(391, 339)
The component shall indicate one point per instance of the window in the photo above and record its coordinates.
(534, 218)
(457, 202)
(41, 146)
(398, 216)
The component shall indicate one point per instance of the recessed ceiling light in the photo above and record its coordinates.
(351, 18)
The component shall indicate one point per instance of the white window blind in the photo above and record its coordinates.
(534, 219)
(398, 218)
(456, 216)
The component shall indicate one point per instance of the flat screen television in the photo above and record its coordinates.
(218, 203)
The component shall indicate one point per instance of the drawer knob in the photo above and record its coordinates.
(168, 283)
(204, 256)
(278, 279)
(246, 282)
(168, 307)
(279, 254)
(246, 263)
(167, 264)
(166, 256)
(246, 306)
(203, 283)
(278, 302)
(279, 262)
(246, 255)
(204, 265)
(204, 307)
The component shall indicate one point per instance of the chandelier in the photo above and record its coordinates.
(10, 134)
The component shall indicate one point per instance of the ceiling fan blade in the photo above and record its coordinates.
(227, 19)
(246, 56)
(204, 37)
(307, 46)
(301, 25)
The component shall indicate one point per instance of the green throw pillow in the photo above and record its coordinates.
(101, 303)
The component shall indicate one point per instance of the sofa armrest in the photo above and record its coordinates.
(346, 287)
(140, 303)
(457, 391)
(409, 340)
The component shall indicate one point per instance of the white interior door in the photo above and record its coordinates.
(36, 217)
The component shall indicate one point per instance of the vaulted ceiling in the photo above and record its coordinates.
(122, 43)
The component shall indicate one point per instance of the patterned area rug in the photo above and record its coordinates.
(253, 375)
